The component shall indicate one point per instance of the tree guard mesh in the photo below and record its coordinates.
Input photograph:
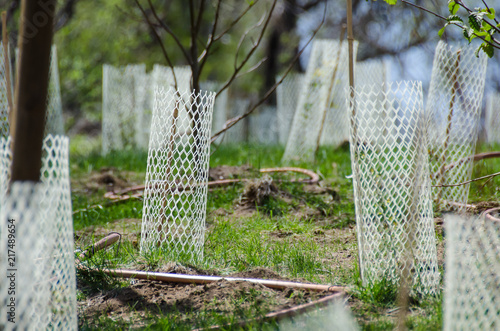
(287, 95)
(177, 172)
(472, 274)
(219, 116)
(119, 112)
(238, 132)
(335, 130)
(4, 105)
(143, 108)
(163, 78)
(454, 107)
(54, 122)
(263, 126)
(45, 219)
(310, 117)
(492, 119)
(391, 185)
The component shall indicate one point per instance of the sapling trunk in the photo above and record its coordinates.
(330, 87)
(454, 89)
(8, 82)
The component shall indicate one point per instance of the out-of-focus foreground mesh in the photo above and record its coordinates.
(175, 196)
(391, 185)
(42, 241)
(454, 108)
(472, 273)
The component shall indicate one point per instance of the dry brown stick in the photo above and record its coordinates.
(448, 127)
(468, 181)
(101, 244)
(488, 214)
(8, 82)
(475, 158)
(314, 178)
(330, 87)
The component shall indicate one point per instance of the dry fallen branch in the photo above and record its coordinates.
(469, 181)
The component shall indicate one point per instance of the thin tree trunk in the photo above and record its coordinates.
(35, 42)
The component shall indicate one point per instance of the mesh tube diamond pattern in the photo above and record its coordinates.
(4, 106)
(391, 185)
(492, 118)
(314, 99)
(175, 197)
(287, 94)
(54, 123)
(472, 274)
(454, 108)
(52, 233)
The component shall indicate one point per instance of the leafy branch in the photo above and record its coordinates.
(478, 23)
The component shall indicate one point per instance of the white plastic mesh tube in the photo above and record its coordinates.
(46, 270)
(119, 112)
(175, 197)
(492, 118)
(54, 122)
(454, 107)
(309, 119)
(472, 274)
(263, 126)
(287, 95)
(220, 114)
(163, 78)
(335, 130)
(4, 106)
(391, 185)
(143, 107)
(238, 132)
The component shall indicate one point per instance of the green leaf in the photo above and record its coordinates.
(453, 7)
(491, 14)
(469, 34)
(441, 31)
(488, 49)
(475, 22)
(391, 2)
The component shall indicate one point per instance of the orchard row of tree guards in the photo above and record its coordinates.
(405, 155)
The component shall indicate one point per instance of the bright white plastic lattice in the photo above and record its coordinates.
(391, 185)
(321, 76)
(472, 274)
(263, 126)
(287, 96)
(492, 119)
(143, 107)
(119, 111)
(54, 123)
(175, 197)
(454, 107)
(44, 238)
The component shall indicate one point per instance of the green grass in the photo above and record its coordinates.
(306, 247)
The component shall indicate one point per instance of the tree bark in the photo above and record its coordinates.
(35, 41)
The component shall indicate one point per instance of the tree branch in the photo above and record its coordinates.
(163, 49)
(469, 181)
(231, 122)
(169, 31)
(250, 53)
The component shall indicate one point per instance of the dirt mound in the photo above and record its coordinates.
(222, 297)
